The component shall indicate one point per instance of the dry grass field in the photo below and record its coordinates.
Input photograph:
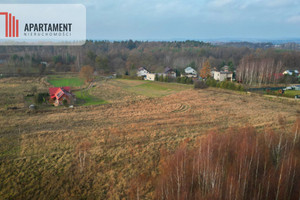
(97, 152)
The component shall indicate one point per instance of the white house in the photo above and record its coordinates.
(142, 72)
(212, 73)
(169, 72)
(222, 76)
(290, 72)
(225, 68)
(44, 63)
(150, 77)
(190, 72)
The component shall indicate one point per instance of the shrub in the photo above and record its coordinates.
(225, 85)
(183, 80)
(65, 102)
(40, 98)
(161, 78)
(132, 77)
(200, 85)
(240, 87)
(211, 82)
(231, 86)
(189, 81)
(166, 79)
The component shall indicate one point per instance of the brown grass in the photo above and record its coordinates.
(39, 150)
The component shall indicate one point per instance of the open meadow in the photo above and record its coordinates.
(100, 151)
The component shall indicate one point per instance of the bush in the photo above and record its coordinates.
(40, 98)
(225, 85)
(166, 79)
(200, 85)
(240, 87)
(65, 102)
(183, 80)
(211, 82)
(161, 78)
(189, 81)
(132, 77)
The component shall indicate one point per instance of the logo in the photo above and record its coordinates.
(42, 24)
(11, 25)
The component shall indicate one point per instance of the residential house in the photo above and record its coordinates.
(60, 94)
(190, 72)
(169, 72)
(44, 63)
(291, 72)
(142, 72)
(293, 87)
(213, 71)
(225, 68)
(222, 76)
(150, 77)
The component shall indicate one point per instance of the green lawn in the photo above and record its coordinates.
(139, 87)
(84, 98)
(60, 81)
(291, 93)
(150, 88)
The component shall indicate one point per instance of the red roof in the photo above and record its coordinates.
(53, 91)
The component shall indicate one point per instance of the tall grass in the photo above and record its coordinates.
(238, 164)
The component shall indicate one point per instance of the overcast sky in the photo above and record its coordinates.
(188, 19)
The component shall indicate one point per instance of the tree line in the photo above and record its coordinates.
(253, 65)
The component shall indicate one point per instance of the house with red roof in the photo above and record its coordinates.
(60, 94)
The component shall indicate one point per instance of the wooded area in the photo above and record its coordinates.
(255, 63)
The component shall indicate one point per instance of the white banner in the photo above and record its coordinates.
(42, 24)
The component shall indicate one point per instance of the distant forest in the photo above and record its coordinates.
(261, 60)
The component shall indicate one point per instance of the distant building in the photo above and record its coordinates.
(225, 68)
(190, 72)
(60, 94)
(142, 72)
(169, 72)
(291, 72)
(44, 63)
(222, 76)
(293, 87)
(150, 77)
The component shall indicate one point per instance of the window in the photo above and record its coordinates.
(59, 94)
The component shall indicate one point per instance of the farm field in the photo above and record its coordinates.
(98, 151)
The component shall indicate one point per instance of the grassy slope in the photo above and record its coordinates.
(88, 99)
(39, 150)
(60, 81)
(150, 88)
